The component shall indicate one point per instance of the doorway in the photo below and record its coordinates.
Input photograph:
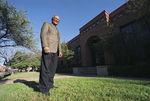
(97, 55)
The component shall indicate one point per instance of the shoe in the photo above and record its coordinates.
(54, 87)
(46, 93)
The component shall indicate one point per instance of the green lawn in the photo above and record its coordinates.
(22, 75)
(80, 89)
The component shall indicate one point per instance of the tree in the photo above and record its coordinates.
(34, 60)
(23, 60)
(7, 54)
(15, 30)
(140, 8)
(112, 43)
(67, 53)
(14, 26)
(19, 60)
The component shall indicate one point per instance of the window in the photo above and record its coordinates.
(136, 32)
(102, 19)
(78, 49)
(98, 22)
(128, 35)
(136, 37)
(93, 25)
(141, 31)
(120, 15)
(114, 19)
(78, 53)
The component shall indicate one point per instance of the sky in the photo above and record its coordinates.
(73, 14)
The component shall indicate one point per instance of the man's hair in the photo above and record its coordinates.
(53, 17)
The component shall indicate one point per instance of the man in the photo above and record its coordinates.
(51, 50)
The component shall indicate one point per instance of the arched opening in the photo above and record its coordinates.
(94, 52)
(97, 55)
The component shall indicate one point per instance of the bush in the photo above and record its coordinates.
(140, 70)
(63, 69)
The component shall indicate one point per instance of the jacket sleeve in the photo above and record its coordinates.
(43, 35)
(59, 47)
(59, 43)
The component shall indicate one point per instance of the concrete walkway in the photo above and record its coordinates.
(67, 76)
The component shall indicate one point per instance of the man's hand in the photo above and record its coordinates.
(60, 54)
(46, 50)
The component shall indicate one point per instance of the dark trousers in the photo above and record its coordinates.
(47, 71)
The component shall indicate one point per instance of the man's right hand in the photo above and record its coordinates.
(46, 50)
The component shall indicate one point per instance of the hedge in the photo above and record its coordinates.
(140, 70)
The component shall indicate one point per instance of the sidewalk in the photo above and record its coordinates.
(67, 76)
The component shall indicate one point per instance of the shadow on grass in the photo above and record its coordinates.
(30, 84)
(2, 80)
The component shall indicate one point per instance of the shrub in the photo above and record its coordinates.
(140, 70)
(63, 69)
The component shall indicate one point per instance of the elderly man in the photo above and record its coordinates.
(51, 50)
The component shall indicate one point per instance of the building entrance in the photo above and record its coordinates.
(97, 55)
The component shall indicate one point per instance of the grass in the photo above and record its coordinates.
(22, 75)
(80, 89)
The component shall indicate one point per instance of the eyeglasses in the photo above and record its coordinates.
(56, 18)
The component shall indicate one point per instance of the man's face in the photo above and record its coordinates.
(56, 20)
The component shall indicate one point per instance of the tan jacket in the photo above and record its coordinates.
(50, 37)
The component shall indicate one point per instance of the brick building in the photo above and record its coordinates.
(83, 42)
